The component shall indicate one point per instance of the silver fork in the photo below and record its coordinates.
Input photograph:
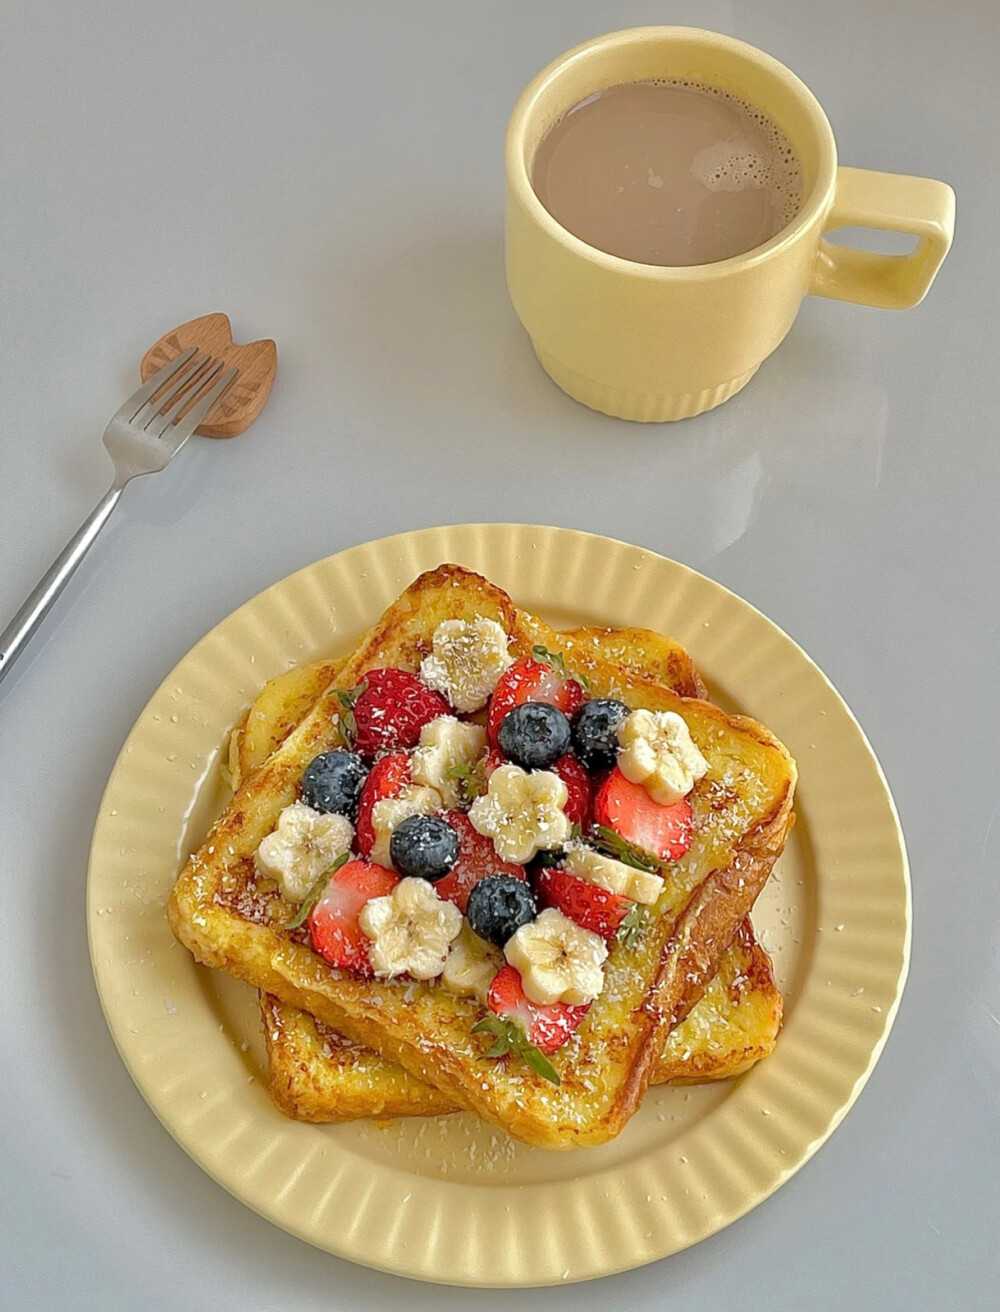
(142, 438)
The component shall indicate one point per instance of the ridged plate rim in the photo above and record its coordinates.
(553, 1231)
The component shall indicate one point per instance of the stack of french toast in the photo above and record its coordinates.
(484, 865)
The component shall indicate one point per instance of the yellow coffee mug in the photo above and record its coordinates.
(652, 343)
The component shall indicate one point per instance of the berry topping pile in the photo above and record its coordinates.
(501, 864)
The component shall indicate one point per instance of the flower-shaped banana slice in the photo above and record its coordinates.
(472, 963)
(523, 813)
(558, 960)
(304, 844)
(657, 751)
(447, 757)
(411, 930)
(467, 659)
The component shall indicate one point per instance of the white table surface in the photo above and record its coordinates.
(330, 174)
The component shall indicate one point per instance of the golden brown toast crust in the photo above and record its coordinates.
(281, 704)
(230, 918)
(315, 1074)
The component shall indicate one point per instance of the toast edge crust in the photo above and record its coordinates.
(296, 1063)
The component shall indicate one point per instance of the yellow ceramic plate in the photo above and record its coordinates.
(450, 1199)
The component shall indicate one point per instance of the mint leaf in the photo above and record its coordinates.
(471, 779)
(503, 1031)
(549, 858)
(631, 930)
(348, 723)
(510, 1037)
(554, 659)
(612, 844)
(491, 1024)
(557, 661)
(315, 893)
(538, 1062)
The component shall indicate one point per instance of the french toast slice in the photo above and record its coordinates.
(316, 1074)
(231, 917)
(281, 704)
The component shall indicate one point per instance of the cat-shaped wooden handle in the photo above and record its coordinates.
(257, 362)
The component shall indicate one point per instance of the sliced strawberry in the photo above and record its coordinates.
(477, 858)
(388, 778)
(577, 782)
(547, 1028)
(531, 681)
(392, 710)
(663, 831)
(590, 906)
(333, 922)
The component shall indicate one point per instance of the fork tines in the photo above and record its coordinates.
(183, 392)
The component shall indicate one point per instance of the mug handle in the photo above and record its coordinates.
(893, 202)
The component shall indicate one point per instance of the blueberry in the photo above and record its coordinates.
(424, 847)
(595, 732)
(498, 905)
(333, 782)
(534, 735)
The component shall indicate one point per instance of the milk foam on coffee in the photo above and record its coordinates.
(668, 172)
